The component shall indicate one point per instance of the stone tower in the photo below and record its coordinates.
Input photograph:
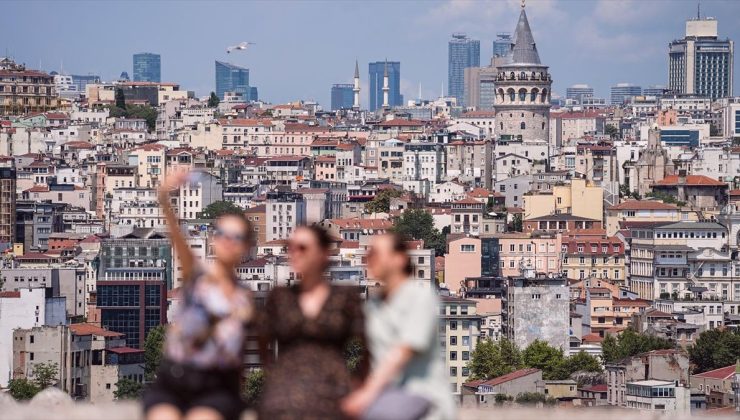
(523, 90)
(386, 87)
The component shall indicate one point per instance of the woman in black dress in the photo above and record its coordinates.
(309, 326)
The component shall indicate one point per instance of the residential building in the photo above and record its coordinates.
(482, 393)
(577, 198)
(701, 63)
(658, 368)
(588, 257)
(284, 212)
(630, 212)
(698, 191)
(463, 53)
(91, 360)
(459, 333)
(537, 307)
(147, 67)
(717, 385)
(24, 90)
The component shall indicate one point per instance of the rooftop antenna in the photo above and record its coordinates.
(698, 10)
(419, 91)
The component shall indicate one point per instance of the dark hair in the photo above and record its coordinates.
(398, 243)
(322, 236)
(249, 238)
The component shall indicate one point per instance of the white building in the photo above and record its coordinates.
(284, 211)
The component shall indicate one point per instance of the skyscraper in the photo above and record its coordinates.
(376, 71)
(342, 96)
(523, 90)
(480, 87)
(578, 92)
(654, 90)
(147, 67)
(231, 78)
(502, 44)
(701, 63)
(462, 53)
(622, 91)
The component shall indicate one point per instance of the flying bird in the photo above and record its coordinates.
(241, 46)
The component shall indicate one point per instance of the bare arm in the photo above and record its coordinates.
(389, 369)
(173, 224)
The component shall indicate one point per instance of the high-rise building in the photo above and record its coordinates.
(480, 87)
(81, 81)
(523, 90)
(375, 81)
(623, 91)
(578, 92)
(7, 202)
(463, 53)
(701, 63)
(502, 44)
(232, 78)
(654, 90)
(342, 96)
(147, 67)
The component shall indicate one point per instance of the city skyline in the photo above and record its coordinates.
(625, 41)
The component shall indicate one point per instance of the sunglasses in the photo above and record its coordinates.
(230, 236)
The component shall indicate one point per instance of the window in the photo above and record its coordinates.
(467, 248)
(466, 355)
(453, 340)
(453, 355)
(453, 325)
(453, 371)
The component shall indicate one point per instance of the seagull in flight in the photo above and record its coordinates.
(241, 46)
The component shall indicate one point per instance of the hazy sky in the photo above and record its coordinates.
(303, 46)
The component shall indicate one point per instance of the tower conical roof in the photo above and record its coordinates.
(524, 50)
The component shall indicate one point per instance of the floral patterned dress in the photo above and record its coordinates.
(310, 375)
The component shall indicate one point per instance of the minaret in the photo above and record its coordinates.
(386, 89)
(356, 88)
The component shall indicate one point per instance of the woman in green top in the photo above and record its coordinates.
(402, 332)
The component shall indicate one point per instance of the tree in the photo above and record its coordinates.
(516, 223)
(579, 362)
(630, 343)
(120, 99)
(22, 389)
(153, 345)
(543, 356)
(666, 198)
(128, 389)
(492, 359)
(213, 100)
(147, 112)
(45, 374)
(381, 203)
(419, 224)
(715, 349)
(533, 398)
(220, 208)
(611, 131)
(253, 385)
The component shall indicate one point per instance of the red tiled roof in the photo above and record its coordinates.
(592, 338)
(245, 122)
(90, 329)
(79, 145)
(597, 388)
(694, 180)
(14, 294)
(726, 372)
(643, 205)
(125, 350)
(502, 379)
(401, 123)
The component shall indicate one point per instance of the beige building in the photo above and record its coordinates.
(150, 163)
(539, 251)
(25, 91)
(91, 360)
(716, 385)
(578, 198)
(621, 215)
(459, 333)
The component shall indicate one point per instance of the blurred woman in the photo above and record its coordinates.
(312, 322)
(199, 377)
(403, 341)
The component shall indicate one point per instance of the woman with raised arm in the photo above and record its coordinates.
(312, 322)
(407, 378)
(200, 374)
